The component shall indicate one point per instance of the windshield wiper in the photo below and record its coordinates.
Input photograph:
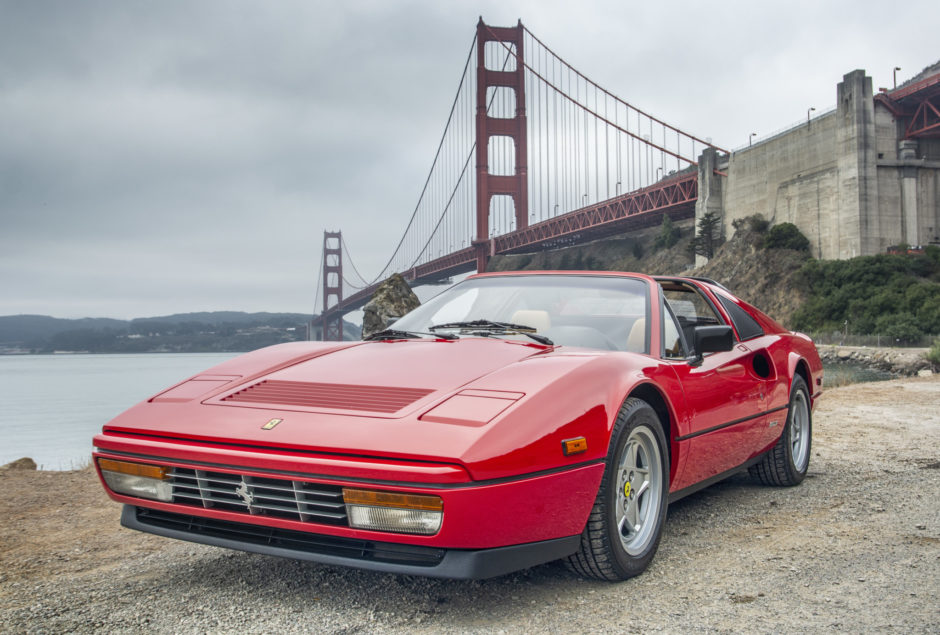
(393, 334)
(495, 327)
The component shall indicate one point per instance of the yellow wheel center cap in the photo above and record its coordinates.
(626, 489)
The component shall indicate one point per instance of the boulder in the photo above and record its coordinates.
(25, 463)
(391, 300)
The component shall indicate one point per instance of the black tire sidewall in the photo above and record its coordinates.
(798, 385)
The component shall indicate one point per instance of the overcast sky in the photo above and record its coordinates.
(164, 157)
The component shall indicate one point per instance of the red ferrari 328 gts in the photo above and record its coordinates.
(515, 419)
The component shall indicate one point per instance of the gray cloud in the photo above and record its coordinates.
(182, 156)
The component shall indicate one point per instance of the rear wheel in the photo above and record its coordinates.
(623, 531)
(787, 462)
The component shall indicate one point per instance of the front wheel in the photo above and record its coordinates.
(787, 462)
(625, 525)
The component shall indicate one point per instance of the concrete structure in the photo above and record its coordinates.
(855, 180)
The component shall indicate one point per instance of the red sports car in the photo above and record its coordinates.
(515, 419)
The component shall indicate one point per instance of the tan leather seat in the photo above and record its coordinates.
(538, 320)
(636, 340)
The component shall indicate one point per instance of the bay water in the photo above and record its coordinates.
(52, 405)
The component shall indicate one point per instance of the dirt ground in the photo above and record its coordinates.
(855, 548)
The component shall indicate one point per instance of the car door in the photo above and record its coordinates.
(724, 397)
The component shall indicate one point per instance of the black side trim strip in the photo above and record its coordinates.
(691, 489)
(730, 423)
(373, 481)
(390, 557)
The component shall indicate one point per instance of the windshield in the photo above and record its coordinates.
(605, 312)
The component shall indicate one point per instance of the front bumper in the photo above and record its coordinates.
(391, 557)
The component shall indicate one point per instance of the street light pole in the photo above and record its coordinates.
(894, 74)
(809, 110)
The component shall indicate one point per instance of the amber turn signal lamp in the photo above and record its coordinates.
(137, 479)
(391, 499)
(133, 469)
(574, 446)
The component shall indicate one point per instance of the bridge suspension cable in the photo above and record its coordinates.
(458, 106)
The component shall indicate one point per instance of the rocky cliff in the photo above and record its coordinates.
(392, 299)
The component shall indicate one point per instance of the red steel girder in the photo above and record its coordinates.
(662, 196)
(900, 93)
(443, 267)
(926, 120)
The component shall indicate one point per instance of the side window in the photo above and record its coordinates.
(672, 340)
(746, 326)
(690, 307)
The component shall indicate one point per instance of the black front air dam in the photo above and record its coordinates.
(465, 564)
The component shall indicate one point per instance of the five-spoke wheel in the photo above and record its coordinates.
(639, 489)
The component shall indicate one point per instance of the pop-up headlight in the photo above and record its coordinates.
(137, 479)
(391, 511)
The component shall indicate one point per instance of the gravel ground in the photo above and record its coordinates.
(855, 548)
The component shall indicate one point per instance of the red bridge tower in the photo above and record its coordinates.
(489, 185)
(332, 322)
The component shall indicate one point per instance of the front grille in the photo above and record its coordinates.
(260, 496)
(385, 399)
(296, 541)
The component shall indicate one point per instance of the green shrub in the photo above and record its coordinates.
(786, 236)
(934, 353)
(668, 234)
(755, 223)
(867, 291)
(708, 237)
(901, 327)
(637, 250)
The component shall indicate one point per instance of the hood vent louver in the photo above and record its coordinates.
(384, 399)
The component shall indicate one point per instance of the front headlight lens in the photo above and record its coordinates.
(389, 511)
(137, 479)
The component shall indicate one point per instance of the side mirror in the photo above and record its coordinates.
(710, 339)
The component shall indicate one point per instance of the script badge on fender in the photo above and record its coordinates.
(270, 424)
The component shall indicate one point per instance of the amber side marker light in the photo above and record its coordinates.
(137, 479)
(391, 511)
(574, 446)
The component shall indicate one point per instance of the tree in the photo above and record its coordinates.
(668, 234)
(708, 237)
(786, 236)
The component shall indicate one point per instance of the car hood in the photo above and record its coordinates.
(378, 379)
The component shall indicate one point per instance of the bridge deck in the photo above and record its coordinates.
(634, 210)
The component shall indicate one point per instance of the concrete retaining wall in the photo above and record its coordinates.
(845, 178)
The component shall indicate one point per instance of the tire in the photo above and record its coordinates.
(787, 462)
(623, 531)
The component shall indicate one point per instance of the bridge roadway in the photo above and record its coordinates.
(634, 210)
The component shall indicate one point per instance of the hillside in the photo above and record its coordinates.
(767, 278)
(219, 331)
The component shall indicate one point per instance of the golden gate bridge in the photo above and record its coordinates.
(534, 155)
